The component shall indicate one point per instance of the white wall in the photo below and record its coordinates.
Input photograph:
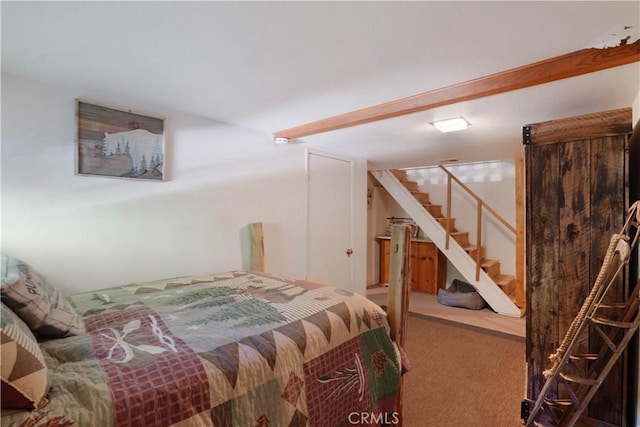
(84, 233)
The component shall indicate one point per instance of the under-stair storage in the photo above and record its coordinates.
(457, 245)
(428, 265)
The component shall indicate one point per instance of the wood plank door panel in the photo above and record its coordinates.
(418, 268)
(574, 240)
(428, 268)
(577, 196)
(542, 247)
(609, 174)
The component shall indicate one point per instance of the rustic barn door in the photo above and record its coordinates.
(577, 178)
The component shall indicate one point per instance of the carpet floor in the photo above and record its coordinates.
(462, 376)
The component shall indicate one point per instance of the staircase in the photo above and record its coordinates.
(496, 289)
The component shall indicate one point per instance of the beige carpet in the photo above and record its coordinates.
(462, 376)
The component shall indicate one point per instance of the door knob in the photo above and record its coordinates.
(349, 251)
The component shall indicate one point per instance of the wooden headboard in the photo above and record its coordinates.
(252, 247)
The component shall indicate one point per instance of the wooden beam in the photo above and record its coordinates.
(587, 126)
(560, 67)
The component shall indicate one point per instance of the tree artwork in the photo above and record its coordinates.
(119, 144)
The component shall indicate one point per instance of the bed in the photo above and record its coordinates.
(238, 348)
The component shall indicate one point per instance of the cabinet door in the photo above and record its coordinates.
(415, 279)
(428, 266)
(425, 271)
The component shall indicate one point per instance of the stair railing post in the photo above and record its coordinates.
(448, 219)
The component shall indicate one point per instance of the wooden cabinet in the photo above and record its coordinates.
(428, 265)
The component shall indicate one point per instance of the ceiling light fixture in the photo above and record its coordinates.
(450, 125)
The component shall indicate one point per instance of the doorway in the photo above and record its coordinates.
(330, 219)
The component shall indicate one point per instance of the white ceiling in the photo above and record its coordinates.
(274, 65)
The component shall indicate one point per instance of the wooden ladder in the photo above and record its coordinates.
(575, 375)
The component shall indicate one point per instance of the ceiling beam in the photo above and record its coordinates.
(560, 67)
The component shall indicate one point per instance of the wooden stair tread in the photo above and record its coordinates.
(443, 223)
(412, 186)
(421, 197)
(399, 173)
(471, 248)
(491, 267)
(435, 210)
(505, 280)
(507, 283)
(488, 262)
(462, 237)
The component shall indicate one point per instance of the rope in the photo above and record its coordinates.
(577, 321)
(621, 244)
(618, 244)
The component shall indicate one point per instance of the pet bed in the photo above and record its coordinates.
(461, 294)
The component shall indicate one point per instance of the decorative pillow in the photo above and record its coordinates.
(43, 308)
(24, 373)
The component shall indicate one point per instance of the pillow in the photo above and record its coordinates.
(24, 373)
(43, 308)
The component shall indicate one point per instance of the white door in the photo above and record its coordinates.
(330, 180)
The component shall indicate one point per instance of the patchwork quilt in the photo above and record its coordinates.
(233, 349)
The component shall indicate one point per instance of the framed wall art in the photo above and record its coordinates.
(117, 143)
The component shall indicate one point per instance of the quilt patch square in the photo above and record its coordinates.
(292, 389)
(336, 384)
(147, 367)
